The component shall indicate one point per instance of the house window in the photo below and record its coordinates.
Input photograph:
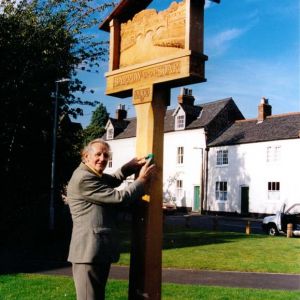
(222, 157)
(269, 149)
(110, 134)
(180, 155)
(179, 190)
(221, 190)
(273, 153)
(109, 163)
(180, 122)
(277, 152)
(274, 190)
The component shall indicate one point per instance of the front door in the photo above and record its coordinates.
(244, 200)
(196, 198)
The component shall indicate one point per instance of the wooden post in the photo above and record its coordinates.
(289, 231)
(194, 25)
(248, 228)
(145, 264)
(114, 46)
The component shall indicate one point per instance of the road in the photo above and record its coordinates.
(218, 223)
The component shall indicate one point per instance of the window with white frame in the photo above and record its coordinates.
(221, 190)
(180, 153)
(179, 189)
(110, 162)
(222, 157)
(273, 153)
(274, 190)
(277, 153)
(180, 122)
(110, 134)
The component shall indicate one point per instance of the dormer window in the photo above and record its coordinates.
(110, 134)
(110, 130)
(180, 122)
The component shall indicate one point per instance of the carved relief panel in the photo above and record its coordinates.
(149, 47)
(151, 34)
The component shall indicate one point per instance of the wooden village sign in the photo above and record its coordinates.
(150, 53)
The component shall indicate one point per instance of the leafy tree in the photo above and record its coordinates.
(41, 41)
(99, 116)
(97, 126)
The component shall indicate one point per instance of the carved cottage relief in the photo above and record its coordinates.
(151, 34)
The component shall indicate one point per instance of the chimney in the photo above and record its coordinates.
(264, 109)
(186, 97)
(121, 112)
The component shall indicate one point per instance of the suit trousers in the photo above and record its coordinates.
(90, 280)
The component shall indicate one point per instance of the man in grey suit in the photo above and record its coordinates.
(94, 202)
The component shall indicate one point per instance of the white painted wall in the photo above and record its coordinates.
(248, 166)
(189, 172)
(122, 150)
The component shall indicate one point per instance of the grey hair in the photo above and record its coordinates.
(88, 147)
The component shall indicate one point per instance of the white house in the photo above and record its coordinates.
(187, 128)
(217, 161)
(253, 166)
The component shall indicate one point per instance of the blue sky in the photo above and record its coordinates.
(254, 52)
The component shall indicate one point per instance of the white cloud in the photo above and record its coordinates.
(219, 43)
(207, 4)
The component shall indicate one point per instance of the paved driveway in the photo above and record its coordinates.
(214, 278)
(222, 223)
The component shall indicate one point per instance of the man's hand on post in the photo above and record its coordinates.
(133, 166)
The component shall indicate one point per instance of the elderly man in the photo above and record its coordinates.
(93, 202)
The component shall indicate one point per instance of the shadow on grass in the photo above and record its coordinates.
(179, 237)
(190, 238)
(27, 253)
(23, 254)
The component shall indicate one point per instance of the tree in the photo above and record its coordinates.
(41, 41)
(97, 126)
(100, 116)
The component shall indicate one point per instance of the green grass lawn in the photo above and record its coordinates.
(188, 249)
(227, 251)
(45, 287)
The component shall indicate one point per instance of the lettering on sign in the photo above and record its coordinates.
(147, 74)
(142, 96)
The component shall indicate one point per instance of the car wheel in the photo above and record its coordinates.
(272, 230)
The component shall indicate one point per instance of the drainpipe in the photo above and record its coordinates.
(205, 177)
(202, 181)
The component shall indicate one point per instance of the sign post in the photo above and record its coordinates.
(146, 244)
(150, 53)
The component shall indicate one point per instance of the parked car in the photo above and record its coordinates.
(277, 224)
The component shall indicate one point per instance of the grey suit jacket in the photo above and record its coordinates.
(93, 203)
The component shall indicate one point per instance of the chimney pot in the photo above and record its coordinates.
(264, 100)
(121, 112)
(186, 97)
(264, 109)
